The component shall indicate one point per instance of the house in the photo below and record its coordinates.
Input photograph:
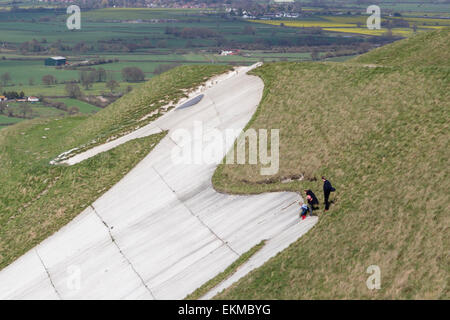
(229, 52)
(225, 53)
(55, 61)
(33, 99)
(3, 98)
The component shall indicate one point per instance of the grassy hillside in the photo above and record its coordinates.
(381, 135)
(36, 199)
(425, 49)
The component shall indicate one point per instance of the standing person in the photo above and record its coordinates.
(312, 200)
(327, 189)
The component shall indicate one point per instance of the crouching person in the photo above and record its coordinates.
(304, 210)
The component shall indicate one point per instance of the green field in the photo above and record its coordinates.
(410, 52)
(39, 110)
(84, 107)
(20, 72)
(96, 28)
(404, 6)
(142, 38)
(8, 120)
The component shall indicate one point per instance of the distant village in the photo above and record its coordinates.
(20, 99)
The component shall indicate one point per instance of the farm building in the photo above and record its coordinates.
(33, 99)
(55, 61)
(229, 52)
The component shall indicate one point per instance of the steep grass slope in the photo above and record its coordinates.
(381, 135)
(36, 199)
(425, 49)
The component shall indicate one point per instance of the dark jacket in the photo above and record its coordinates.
(313, 196)
(327, 187)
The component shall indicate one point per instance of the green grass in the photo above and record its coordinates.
(84, 107)
(7, 120)
(59, 90)
(140, 13)
(413, 52)
(36, 199)
(229, 271)
(38, 110)
(381, 136)
(27, 68)
(20, 71)
(99, 25)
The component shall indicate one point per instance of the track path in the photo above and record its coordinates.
(162, 231)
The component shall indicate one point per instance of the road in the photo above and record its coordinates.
(162, 231)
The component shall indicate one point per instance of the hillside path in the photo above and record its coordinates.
(162, 231)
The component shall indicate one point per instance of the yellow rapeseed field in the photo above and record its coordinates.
(347, 24)
(404, 32)
(305, 24)
(357, 25)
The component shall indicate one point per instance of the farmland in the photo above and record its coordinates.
(81, 105)
(369, 109)
(20, 111)
(132, 38)
(157, 39)
(357, 24)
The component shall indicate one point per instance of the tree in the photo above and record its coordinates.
(388, 33)
(11, 95)
(48, 80)
(31, 81)
(5, 77)
(73, 110)
(86, 79)
(73, 90)
(161, 44)
(101, 75)
(315, 55)
(249, 30)
(133, 74)
(25, 109)
(3, 107)
(112, 85)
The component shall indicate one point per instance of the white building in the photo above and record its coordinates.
(33, 99)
